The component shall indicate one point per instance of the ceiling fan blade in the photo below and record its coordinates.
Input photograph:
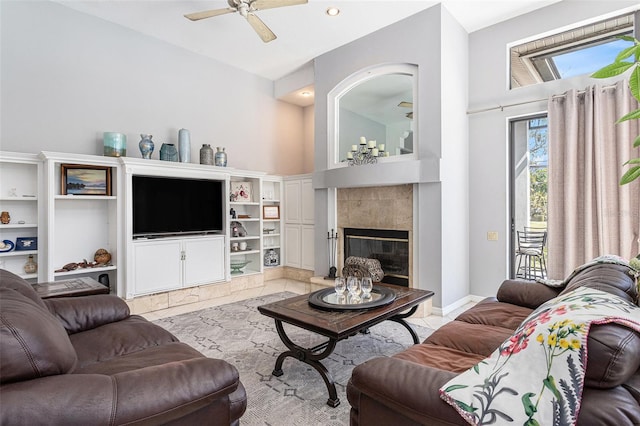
(263, 31)
(269, 4)
(406, 104)
(209, 13)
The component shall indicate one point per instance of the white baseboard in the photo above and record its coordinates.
(455, 305)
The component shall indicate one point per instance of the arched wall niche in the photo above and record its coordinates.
(374, 108)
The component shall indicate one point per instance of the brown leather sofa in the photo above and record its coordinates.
(403, 389)
(87, 361)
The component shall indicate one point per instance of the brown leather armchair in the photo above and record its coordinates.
(87, 361)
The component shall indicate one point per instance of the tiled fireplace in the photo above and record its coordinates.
(383, 216)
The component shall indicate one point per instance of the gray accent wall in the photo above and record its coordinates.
(435, 42)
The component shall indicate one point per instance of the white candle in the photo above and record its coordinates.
(386, 153)
(354, 148)
(363, 140)
(374, 152)
(381, 146)
(372, 144)
(349, 155)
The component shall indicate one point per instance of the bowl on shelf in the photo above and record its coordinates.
(6, 245)
(237, 265)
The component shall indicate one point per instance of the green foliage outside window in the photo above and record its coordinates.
(620, 65)
(538, 194)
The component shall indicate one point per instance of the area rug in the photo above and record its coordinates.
(239, 334)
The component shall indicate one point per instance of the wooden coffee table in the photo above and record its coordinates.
(336, 326)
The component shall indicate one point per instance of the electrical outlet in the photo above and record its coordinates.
(492, 236)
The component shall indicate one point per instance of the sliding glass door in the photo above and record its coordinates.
(529, 153)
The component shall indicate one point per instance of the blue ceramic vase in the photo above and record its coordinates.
(146, 146)
(184, 146)
(168, 152)
(221, 157)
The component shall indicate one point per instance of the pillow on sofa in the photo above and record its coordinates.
(33, 343)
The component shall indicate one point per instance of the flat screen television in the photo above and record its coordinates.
(165, 206)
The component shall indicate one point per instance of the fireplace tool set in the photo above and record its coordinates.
(332, 246)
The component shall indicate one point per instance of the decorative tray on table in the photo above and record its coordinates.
(328, 299)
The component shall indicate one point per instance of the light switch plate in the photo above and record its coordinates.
(492, 236)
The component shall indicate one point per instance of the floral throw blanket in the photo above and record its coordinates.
(536, 377)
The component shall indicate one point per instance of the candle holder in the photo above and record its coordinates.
(364, 154)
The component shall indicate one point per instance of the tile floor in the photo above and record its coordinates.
(293, 286)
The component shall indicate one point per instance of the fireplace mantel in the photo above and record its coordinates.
(385, 173)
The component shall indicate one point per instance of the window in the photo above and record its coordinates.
(571, 53)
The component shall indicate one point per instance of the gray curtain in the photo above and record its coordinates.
(589, 213)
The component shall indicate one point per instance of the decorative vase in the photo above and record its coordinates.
(5, 218)
(146, 146)
(115, 144)
(206, 154)
(221, 157)
(168, 152)
(31, 266)
(184, 145)
(271, 258)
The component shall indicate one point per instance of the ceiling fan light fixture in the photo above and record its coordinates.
(333, 11)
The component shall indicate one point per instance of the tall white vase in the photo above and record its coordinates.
(184, 145)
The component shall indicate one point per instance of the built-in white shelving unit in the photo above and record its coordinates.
(71, 228)
(272, 192)
(78, 225)
(20, 175)
(244, 199)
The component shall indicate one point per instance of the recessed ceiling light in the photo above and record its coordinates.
(306, 94)
(333, 11)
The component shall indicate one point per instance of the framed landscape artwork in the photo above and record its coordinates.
(85, 180)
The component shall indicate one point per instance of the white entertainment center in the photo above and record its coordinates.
(70, 228)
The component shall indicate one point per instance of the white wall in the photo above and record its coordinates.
(67, 77)
(488, 150)
(455, 161)
(309, 138)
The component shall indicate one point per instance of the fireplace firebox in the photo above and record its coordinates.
(390, 247)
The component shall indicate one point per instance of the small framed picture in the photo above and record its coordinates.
(85, 180)
(30, 243)
(271, 212)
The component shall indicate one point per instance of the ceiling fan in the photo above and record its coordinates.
(405, 104)
(246, 8)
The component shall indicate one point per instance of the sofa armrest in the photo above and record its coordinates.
(402, 386)
(87, 312)
(529, 294)
(151, 395)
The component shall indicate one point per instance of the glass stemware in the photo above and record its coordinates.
(353, 287)
(340, 286)
(366, 286)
